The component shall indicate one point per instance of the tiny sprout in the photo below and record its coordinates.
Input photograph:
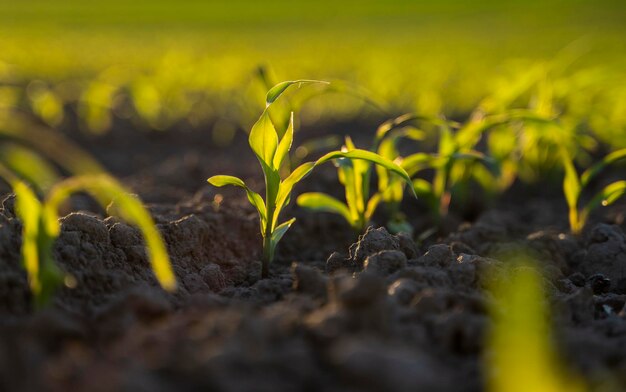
(271, 151)
(359, 206)
(573, 186)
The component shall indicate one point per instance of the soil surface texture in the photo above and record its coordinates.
(379, 312)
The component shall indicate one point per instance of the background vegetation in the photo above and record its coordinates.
(190, 64)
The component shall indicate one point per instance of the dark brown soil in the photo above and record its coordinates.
(382, 314)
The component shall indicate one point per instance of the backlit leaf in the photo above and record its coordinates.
(263, 139)
(284, 146)
(277, 90)
(254, 198)
(594, 170)
(571, 182)
(105, 189)
(322, 202)
(279, 232)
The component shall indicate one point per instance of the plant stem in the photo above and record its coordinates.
(267, 243)
(267, 255)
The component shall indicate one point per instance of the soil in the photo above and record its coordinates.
(376, 313)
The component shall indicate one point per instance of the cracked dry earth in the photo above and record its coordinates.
(382, 314)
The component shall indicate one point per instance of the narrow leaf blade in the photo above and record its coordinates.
(366, 156)
(284, 146)
(594, 170)
(322, 202)
(277, 90)
(280, 231)
(254, 198)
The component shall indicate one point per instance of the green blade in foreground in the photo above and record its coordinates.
(105, 189)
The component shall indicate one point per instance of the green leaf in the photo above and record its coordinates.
(372, 204)
(279, 232)
(317, 144)
(353, 193)
(286, 186)
(447, 144)
(366, 156)
(322, 202)
(263, 139)
(594, 170)
(106, 189)
(476, 156)
(284, 146)
(387, 149)
(571, 183)
(425, 191)
(406, 119)
(29, 166)
(28, 209)
(415, 163)
(254, 198)
(277, 90)
(607, 196)
(422, 187)
(303, 170)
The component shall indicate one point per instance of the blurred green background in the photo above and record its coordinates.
(191, 64)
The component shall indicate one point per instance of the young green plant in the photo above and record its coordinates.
(454, 164)
(40, 228)
(574, 185)
(354, 175)
(39, 193)
(271, 151)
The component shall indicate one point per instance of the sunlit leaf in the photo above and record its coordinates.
(29, 166)
(254, 198)
(284, 145)
(607, 196)
(372, 204)
(280, 231)
(28, 209)
(521, 355)
(323, 202)
(594, 170)
(105, 190)
(406, 119)
(277, 90)
(571, 183)
(417, 162)
(263, 139)
(476, 156)
(367, 156)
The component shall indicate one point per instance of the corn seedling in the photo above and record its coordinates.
(41, 227)
(454, 165)
(354, 175)
(574, 185)
(390, 187)
(20, 167)
(457, 161)
(271, 151)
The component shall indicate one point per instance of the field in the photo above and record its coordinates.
(462, 229)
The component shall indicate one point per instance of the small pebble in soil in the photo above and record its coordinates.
(599, 283)
(578, 279)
